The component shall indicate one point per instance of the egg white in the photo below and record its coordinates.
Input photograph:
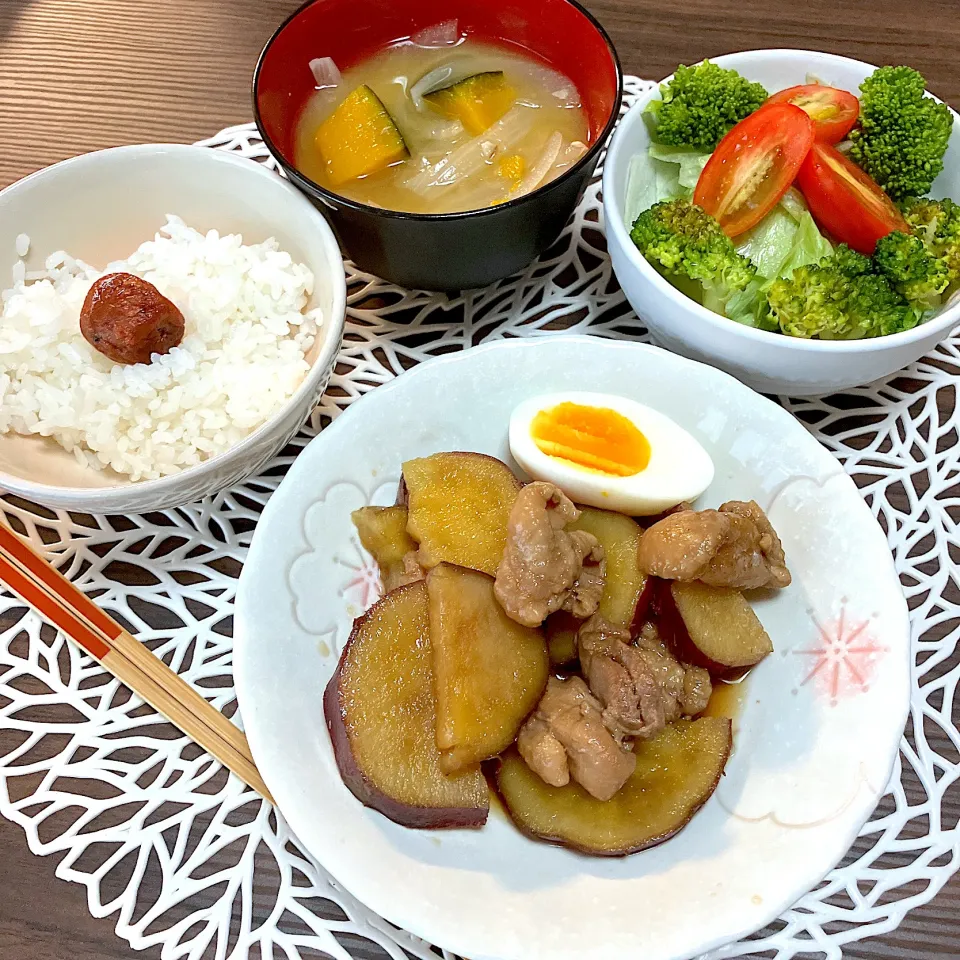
(679, 468)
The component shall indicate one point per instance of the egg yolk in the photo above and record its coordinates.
(595, 438)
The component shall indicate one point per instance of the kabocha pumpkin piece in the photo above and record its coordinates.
(512, 168)
(381, 714)
(477, 102)
(359, 138)
(489, 672)
(626, 589)
(458, 505)
(712, 627)
(383, 533)
(677, 772)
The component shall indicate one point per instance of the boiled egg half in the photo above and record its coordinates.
(607, 451)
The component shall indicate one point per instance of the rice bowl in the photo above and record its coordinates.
(101, 207)
(242, 357)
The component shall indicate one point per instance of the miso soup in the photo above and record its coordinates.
(438, 129)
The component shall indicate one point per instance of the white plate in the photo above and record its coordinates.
(814, 745)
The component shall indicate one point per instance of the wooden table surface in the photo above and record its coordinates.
(78, 75)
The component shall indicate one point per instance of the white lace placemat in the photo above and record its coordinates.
(186, 859)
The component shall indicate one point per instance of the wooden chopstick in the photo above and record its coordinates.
(58, 600)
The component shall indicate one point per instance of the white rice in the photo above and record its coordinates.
(241, 359)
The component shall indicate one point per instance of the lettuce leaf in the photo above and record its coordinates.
(690, 164)
(769, 243)
(785, 239)
(809, 246)
(661, 173)
(750, 307)
(794, 203)
(648, 182)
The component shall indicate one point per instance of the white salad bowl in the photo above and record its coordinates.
(814, 742)
(769, 362)
(100, 207)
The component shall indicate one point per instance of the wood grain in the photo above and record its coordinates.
(79, 75)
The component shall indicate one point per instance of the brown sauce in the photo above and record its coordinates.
(727, 699)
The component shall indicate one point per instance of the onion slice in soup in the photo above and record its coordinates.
(470, 157)
(445, 131)
(536, 174)
(444, 34)
(430, 81)
(325, 72)
(570, 154)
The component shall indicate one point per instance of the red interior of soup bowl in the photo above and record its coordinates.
(557, 31)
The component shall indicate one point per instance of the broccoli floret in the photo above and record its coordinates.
(937, 224)
(839, 298)
(919, 277)
(701, 104)
(686, 244)
(902, 135)
(848, 262)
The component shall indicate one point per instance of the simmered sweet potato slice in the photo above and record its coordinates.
(712, 627)
(383, 533)
(677, 772)
(561, 630)
(458, 507)
(626, 593)
(489, 672)
(381, 715)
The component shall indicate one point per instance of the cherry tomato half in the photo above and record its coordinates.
(833, 111)
(845, 201)
(754, 166)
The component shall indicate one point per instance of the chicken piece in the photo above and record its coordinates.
(735, 546)
(584, 596)
(620, 678)
(566, 738)
(768, 544)
(543, 752)
(667, 670)
(688, 687)
(642, 688)
(545, 568)
(682, 507)
(697, 689)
